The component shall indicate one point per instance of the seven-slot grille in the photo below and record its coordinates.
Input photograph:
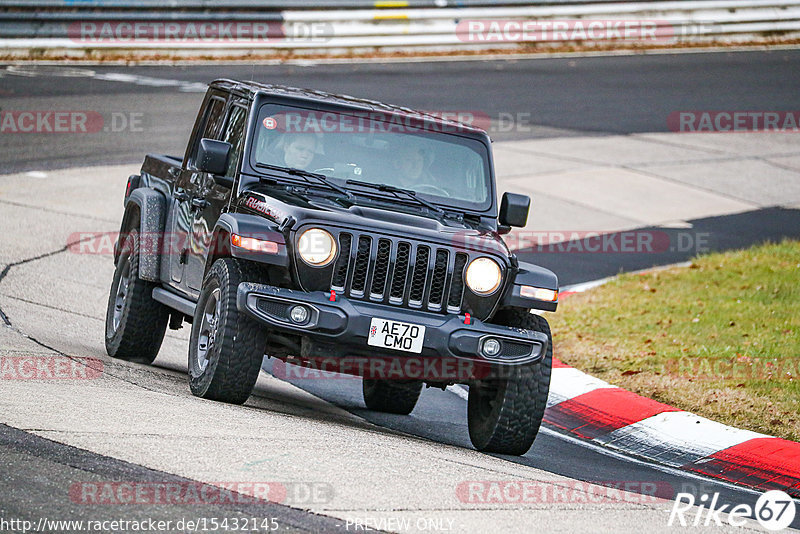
(400, 272)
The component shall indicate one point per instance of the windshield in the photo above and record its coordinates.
(444, 168)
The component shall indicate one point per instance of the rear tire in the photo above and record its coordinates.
(391, 396)
(226, 347)
(504, 415)
(135, 323)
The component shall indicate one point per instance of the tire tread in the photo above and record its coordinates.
(525, 398)
(144, 322)
(243, 341)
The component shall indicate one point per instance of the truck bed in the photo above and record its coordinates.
(159, 165)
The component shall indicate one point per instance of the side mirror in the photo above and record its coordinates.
(514, 210)
(212, 156)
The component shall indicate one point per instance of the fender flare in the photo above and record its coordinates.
(530, 274)
(152, 210)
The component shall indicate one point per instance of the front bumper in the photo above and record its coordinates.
(341, 327)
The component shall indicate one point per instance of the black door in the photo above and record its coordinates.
(210, 198)
(183, 211)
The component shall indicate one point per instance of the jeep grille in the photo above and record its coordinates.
(400, 272)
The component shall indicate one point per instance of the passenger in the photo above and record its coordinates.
(411, 164)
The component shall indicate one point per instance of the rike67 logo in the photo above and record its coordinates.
(774, 510)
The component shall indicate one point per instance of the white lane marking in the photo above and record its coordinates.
(36, 174)
(598, 448)
(584, 286)
(677, 225)
(31, 71)
(459, 390)
(567, 383)
(149, 81)
(676, 438)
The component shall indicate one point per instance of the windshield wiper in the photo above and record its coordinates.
(395, 190)
(308, 174)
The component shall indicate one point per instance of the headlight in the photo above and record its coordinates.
(316, 247)
(484, 276)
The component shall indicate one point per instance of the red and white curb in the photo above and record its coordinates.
(594, 411)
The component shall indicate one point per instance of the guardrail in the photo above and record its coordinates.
(196, 25)
(276, 5)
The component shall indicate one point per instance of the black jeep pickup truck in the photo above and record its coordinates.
(331, 231)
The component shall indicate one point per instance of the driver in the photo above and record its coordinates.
(299, 150)
(411, 164)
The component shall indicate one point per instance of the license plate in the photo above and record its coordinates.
(396, 335)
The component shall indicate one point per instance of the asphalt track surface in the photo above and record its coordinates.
(577, 96)
(545, 98)
(28, 495)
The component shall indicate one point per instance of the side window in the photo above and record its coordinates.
(234, 134)
(215, 112)
(214, 119)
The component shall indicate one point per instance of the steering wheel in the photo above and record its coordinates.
(436, 190)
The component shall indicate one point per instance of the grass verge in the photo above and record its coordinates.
(720, 338)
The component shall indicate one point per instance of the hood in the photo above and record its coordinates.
(400, 220)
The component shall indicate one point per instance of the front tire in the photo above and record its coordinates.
(505, 414)
(135, 323)
(226, 347)
(391, 396)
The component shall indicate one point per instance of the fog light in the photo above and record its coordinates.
(491, 347)
(299, 314)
